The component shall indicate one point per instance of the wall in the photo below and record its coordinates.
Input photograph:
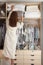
(42, 33)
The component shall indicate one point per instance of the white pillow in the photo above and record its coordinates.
(32, 14)
(19, 7)
(32, 8)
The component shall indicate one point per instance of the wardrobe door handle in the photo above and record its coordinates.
(15, 63)
(32, 64)
(15, 54)
(32, 55)
(32, 59)
(15, 59)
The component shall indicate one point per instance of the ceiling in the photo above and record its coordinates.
(21, 0)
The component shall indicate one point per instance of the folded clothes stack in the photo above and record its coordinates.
(32, 12)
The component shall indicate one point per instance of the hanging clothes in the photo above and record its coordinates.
(2, 33)
(36, 32)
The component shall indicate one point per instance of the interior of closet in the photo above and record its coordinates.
(29, 31)
(29, 34)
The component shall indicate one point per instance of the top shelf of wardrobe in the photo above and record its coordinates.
(32, 18)
(25, 3)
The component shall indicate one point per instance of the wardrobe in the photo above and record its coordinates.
(28, 49)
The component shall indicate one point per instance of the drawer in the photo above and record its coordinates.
(31, 57)
(26, 64)
(19, 52)
(19, 64)
(19, 61)
(31, 64)
(35, 64)
(19, 57)
(32, 61)
(29, 52)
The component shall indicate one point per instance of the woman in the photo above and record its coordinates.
(11, 37)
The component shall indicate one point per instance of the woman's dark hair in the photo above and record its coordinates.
(13, 19)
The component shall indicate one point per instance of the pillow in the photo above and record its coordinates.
(19, 7)
(32, 8)
(32, 14)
